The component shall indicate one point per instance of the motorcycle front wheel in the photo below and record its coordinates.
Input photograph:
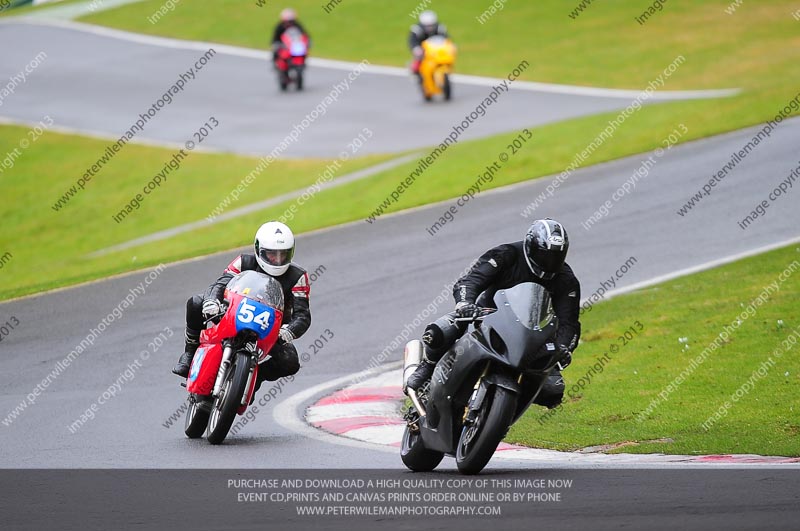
(227, 403)
(283, 80)
(424, 85)
(479, 440)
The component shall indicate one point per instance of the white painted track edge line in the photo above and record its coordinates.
(586, 460)
(286, 412)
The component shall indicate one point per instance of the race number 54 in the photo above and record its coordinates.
(247, 315)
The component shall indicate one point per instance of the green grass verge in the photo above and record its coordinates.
(604, 46)
(605, 411)
(36, 234)
(51, 165)
(765, 62)
(756, 48)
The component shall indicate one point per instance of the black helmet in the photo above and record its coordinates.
(546, 246)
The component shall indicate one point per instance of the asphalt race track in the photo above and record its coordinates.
(372, 278)
(242, 93)
(377, 278)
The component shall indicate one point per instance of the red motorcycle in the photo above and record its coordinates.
(291, 58)
(224, 370)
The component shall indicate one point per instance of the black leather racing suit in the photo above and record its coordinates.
(505, 266)
(419, 34)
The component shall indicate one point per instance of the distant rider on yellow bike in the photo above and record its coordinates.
(427, 27)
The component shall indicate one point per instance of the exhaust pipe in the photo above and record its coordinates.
(412, 357)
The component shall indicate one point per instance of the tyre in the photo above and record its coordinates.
(424, 83)
(224, 409)
(479, 441)
(299, 79)
(415, 456)
(283, 80)
(446, 87)
(196, 420)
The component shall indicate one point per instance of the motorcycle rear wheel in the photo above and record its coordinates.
(414, 454)
(196, 420)
(476, 447)
(225, 406)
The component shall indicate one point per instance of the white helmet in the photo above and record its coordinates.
(428, 20)
(274, 246)
(288, 15)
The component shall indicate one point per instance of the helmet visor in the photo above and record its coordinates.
(549, 261)
(276, 257)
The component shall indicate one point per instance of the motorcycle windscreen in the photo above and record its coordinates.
(258, 287)
(261, 304)
(436, 41)
(529, 302)
(293, 38)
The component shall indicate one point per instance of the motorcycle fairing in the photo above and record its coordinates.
(511, 338)
(261, 294)
(203, 372)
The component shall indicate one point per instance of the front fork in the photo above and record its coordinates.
(438, 76)
(512, 383)
(224, 366)
(252, 349)
(476, 399)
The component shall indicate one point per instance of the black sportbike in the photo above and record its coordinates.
(483, 383)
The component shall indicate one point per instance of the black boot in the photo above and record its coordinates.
(422, 375)
(185, 361)
(552, 391)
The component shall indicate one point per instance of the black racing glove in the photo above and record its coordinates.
(467, 310)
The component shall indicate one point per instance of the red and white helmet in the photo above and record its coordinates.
(274, 247)
(288, 15)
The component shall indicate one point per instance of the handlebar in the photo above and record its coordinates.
(225, 304)
(482, 313)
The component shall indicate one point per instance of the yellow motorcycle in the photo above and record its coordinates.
(436, 67)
